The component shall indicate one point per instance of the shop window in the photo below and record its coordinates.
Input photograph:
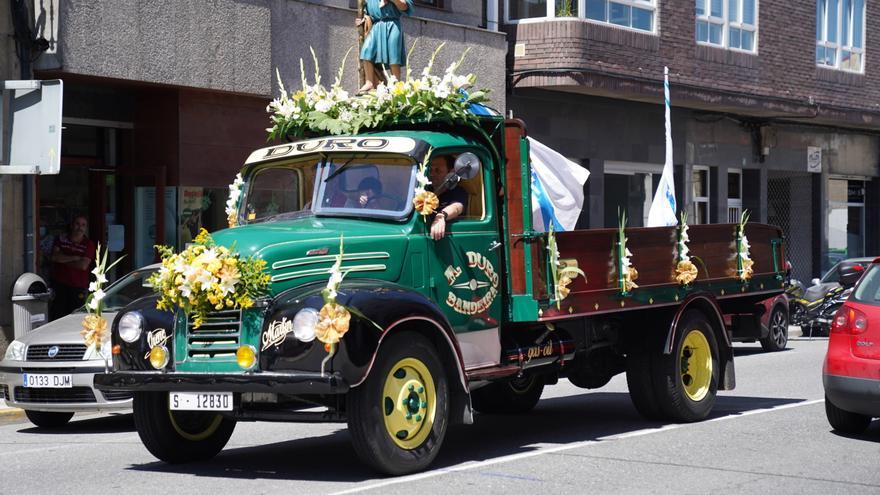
(727, 23)
(632, 14)
(700, 195)
(734, 195)
(846, 221)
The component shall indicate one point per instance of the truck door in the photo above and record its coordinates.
(467, 278)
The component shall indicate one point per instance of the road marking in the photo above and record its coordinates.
(469, 465)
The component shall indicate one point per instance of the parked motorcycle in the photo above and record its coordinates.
(814, 314)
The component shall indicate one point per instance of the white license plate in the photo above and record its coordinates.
(38, 380)
(200, 401)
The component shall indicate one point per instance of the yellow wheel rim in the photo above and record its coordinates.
(409, 403)
(207, 428)
(696, 365)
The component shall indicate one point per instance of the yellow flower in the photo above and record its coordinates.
(94, 330)
(333, 323)
(299, 95)
(629, 279)
(398, 89)
(426, 202)
(685, 272)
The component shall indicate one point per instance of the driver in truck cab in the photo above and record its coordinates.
(453, 202)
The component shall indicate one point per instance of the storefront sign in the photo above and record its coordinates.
(814, 159)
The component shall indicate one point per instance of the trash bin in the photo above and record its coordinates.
(30, 303)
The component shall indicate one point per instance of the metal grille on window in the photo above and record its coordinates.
(789, 206)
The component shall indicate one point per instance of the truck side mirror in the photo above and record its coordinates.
(467, 166)
(849, 275)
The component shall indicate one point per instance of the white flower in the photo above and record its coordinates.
(98, 295)
(335, 280)
(100, 278)
(346, 116)
(96, 270)
(323, 106)
(185, 289)
(461, 82)
(228, 279)
(93, 304)
(93, 286)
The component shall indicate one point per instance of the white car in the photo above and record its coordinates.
(50, 373)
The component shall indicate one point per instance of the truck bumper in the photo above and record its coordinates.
(297, 383)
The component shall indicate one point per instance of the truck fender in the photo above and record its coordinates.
(706, 304)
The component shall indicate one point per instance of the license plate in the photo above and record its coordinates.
(37, 380)
(200, 401)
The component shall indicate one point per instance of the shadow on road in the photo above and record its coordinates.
(872, 434)
(558, 421)
(115, 423)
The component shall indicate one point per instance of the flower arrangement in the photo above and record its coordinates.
(744, 263)
(562, 275)
(627, 273)
(94, 325)
(232, 202)
(685, 270)
(334, 318)
(205, 277)
(425, 202)
(316, 109)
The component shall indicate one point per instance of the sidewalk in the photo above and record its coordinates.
(8, 412)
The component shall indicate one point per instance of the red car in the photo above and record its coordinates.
(851, 374)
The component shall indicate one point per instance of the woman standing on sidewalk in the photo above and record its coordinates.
(383, 45)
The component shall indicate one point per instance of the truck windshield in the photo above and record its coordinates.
(349, 185)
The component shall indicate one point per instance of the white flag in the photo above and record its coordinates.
(557, 188)
(662, 212)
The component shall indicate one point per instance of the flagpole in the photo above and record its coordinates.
(663, 207)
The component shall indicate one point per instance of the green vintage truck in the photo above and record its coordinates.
(439, 329)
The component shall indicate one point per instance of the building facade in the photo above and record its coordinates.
(164, 100)
(774, 110)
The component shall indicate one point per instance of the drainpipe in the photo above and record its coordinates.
(492, 15)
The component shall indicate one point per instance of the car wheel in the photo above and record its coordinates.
(777, 337)
(845, 421)
(510, 397)
(686, 380)
(179, 436)
(398, 416)
(45, 419)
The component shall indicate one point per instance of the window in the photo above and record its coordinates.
(636, 14)
(840, 34)
(437, 4)
(727, 23)
(633, 14)
(734, 195)
(700, 202)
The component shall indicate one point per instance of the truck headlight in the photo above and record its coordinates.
(15, 351)
(304, 324)
(131, 325)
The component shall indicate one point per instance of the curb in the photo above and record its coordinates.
(12, 412)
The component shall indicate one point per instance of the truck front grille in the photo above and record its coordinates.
(217, 337)
(54, 395)
(65, 352)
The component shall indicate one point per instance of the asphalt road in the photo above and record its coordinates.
(769, 435)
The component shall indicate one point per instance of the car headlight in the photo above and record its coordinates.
(131, 325)
(15, 351)
(304, 324)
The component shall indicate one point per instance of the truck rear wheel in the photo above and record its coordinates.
(641, 384)
(686, 380)
(510, 397)
(398, 417)
(179, 436)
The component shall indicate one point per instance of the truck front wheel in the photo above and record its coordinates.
(398, 417)
(687, 378)
(178, 436)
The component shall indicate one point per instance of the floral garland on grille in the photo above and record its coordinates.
(205, 277)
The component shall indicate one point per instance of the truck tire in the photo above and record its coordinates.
(45, 419)
(178, 436)
(641, 384)
(398, 417)
(777, 336)
(686, 380)
(515, 396)
(845, 421)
